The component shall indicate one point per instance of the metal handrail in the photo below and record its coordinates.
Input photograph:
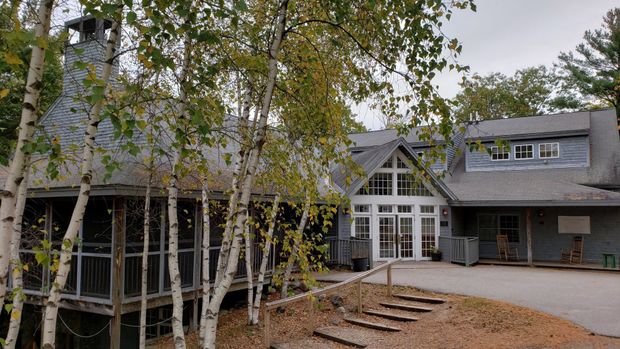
(308, 295)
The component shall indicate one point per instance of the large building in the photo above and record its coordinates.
(561, 171)
(557, 179)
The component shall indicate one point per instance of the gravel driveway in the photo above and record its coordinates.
(588, 298)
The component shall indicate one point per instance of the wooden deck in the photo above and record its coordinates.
(549, 264)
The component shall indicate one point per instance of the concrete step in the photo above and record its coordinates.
(373, 325)
(420, 299)
(406, 307)
(341, 335)
(390, 316)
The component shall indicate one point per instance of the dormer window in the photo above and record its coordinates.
(524, 151)
(499, 154)
(549, 150)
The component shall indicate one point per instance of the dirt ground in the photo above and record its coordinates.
(462, 322)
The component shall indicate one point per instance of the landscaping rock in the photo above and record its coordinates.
(342, 311)
(337, 301)
(322, 297)
(336, 321)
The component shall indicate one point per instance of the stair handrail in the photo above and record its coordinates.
(327, 289)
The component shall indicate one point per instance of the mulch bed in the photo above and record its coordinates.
(462, 322)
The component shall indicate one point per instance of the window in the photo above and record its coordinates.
(420, 155)
(524, 151)
(498, 154)
(378, 184)
(490, 225)
(409, 186)
(384, 208)
(362, 227)
(361, 208)
(387, 164)
(404, 209)
(401, 164)
(549, 150)
(427, 209)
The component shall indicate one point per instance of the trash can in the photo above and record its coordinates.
(360, 264)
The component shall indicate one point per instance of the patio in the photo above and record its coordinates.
(588, 298)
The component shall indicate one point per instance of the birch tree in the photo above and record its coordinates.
(24, 147)
(100, 88)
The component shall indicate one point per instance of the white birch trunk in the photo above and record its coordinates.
(86, 171)
(173, 257)
(145, 262)
(226, 270)
(264, 260)
(27, 125)
(173, 227)
(248, 269)
(16, 265)
(297, 239)
(206, 285)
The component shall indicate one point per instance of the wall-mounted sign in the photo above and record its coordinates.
(574, 224)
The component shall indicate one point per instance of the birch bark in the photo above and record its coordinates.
(86, 171)
(227, 269)
(145, 261)
(295, 249)
(16, 266)
(264, 260)
(206, 285)
(27, 124)
(248, 269)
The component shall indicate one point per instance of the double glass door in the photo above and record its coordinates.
(396, 236)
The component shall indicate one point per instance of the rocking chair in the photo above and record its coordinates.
(575, 254)
(504, 250)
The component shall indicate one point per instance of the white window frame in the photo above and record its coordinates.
(557, 144)
(522, 145)
(503, 151)
(354, 225)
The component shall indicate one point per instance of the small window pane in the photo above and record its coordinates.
(409, 186)
(387, 164)
(378, 184)
(401, 164)
(427, 209)
(524, 151)
(549, 150)
(361, 208)
(385, 208)
(362, 227)
(404, 209)
(498, 153)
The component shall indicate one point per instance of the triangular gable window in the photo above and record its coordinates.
(388, 163)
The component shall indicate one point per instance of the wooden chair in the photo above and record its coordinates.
(575, 254)
(504, 250)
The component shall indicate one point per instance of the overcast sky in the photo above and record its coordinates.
(507, 35)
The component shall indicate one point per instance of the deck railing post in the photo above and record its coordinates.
(466, 252)
(389, 281)
(359, 296)
(267, 324)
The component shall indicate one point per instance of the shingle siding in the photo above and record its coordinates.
(574, 152)
(344, 225)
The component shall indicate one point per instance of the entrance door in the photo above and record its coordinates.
(405, 230)
(387, 236)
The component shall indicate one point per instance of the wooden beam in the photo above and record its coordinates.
(528, 218)
(117, 272)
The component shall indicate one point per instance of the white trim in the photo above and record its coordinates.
(514, 148)
(496, 147)
(548, 157)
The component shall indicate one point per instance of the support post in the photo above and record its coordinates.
(359, 296)
(389, 281)
(267, 324)
(117, 272)
(528, 215)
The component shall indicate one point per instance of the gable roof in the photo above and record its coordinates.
(380, 137)
(373, 159)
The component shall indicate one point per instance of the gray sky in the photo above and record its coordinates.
(506, 35)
